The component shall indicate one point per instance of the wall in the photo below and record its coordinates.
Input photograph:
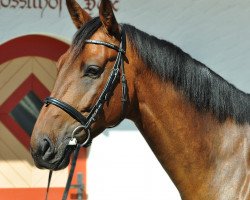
(27, 74)
(214, 32)
(120, 164)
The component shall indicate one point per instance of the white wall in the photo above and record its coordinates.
(120, 164)
(215, 32)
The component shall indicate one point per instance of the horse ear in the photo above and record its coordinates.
(107, 18)
(78, 15)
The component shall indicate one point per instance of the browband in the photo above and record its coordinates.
(112, 46)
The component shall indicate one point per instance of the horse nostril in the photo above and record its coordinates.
(45, 145)
(47, 149)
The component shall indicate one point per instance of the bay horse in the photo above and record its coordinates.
(196, 123)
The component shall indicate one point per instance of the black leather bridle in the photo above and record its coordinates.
(118, 69)
(107, 91)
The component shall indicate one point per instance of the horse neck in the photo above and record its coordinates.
(192, 146)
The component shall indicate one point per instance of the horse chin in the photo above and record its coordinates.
(60, 161)
(52, 166)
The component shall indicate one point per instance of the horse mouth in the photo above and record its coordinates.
(58, 162)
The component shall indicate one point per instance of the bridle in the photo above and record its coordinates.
(107, 91)
(86, 122)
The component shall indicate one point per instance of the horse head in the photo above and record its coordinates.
(88, 85)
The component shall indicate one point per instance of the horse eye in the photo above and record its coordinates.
(93, 71)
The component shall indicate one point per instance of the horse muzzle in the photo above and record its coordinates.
(52, 156)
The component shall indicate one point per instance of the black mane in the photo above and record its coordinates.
(203, 87)
(207, 90)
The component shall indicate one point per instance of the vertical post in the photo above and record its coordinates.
(80, 186)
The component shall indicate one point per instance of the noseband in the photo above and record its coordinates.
(106, 93)
(96, 109)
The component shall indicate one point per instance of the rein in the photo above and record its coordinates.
(86, 122)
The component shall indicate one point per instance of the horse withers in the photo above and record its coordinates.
(196, 123)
